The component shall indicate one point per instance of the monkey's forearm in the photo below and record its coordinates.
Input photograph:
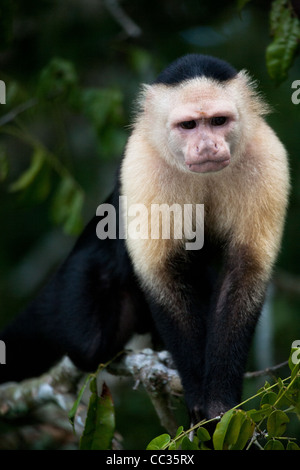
(230, 331)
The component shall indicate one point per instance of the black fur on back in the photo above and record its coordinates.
(196, 65)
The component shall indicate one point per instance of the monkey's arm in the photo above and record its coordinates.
(210, 340)
(232, 322)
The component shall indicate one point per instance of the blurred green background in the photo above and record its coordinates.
(72, 69)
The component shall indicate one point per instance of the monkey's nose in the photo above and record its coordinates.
(207, 146)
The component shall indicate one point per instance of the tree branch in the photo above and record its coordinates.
(13, 113)
(287, 282)
(157, 374)
(57, 386)
(155, 370)
(129, 26)
(268, 371)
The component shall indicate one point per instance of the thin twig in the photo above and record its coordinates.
(268, 371)
(13, 113)
(287, 282)
(129, 26)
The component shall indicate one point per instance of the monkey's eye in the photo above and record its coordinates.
(188, 124)
(218, 120)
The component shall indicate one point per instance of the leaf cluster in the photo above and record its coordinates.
(237, 429)
(49, 174)
(99, 425)
(100, 422)
(285, 29)
(265, 426)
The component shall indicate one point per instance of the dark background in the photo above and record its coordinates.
(88, 138)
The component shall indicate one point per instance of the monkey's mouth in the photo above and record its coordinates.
(207, 166)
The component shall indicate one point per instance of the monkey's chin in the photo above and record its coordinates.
(208, 166)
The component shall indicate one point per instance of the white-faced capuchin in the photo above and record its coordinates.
(199, 138)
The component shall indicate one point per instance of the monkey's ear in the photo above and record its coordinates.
(245, 80)
(155, 100)
(146, 97)
(248, 89)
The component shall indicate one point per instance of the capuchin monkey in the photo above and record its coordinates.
(199, 137)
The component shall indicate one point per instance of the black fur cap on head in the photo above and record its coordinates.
(196, 65)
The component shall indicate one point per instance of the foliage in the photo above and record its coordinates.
(58, 89)
(264, 426)
(240, 430)
(100, 421)
(285, 29)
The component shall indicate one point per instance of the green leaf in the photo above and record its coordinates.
(221, 429)
(93, 385)
(276, 423)
(273, 444)
(259, 415)
(267, 409)
(280, 383)
(269, 398)
(15, 94)
(173, 446)
(280, 53)
(234, 428)
(62, 199)
(67, 206)
(239, 431)
(159, 442)
(256, 415)
(265, 387)
(203, 446)
(277, 9)
(246, 432)
(42, 185)
(203, 434)
(100, 421)
(37, 161)
(111, 141)
(3, 165)
(141, 62)
(73, 224)
(186, 444)
(292, 446)
(73, 411)
(179, 431)
(295, 391)
(57, 80)
(101, 105)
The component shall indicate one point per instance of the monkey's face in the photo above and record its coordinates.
(202, 129)
(200, 140)
(195, 125)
